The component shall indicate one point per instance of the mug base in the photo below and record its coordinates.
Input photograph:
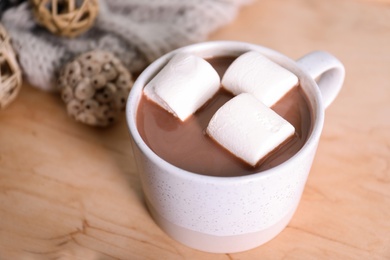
(219, 244)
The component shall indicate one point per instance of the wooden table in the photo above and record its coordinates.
(69, 191)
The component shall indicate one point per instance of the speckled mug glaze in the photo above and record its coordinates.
(232, 214)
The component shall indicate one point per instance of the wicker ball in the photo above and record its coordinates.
(95, 87)
(10, 73)
(68, 18)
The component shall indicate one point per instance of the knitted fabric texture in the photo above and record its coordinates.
(136, 31)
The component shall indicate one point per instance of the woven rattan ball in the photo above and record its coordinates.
(67, 18)
(10, 73)
(95, 87)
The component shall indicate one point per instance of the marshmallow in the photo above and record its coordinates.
(185, 84)
(248, 128)
(256, 74)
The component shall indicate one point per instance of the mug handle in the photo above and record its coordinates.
(327, 71)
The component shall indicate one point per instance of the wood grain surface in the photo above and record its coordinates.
(69, 191)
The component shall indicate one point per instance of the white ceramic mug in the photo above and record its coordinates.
(232, 214)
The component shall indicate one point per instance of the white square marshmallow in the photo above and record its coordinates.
(183, 85)
(254, 73)
(248, 128)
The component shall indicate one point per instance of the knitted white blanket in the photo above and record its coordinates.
(136, 31)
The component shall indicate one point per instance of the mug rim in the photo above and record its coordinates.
(315, 103)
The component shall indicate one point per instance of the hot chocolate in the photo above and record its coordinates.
(185, 144)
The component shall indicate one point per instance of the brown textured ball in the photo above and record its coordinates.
(95, 87)
(10, 73)
(66, 17)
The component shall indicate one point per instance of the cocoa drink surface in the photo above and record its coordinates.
(186, 145)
